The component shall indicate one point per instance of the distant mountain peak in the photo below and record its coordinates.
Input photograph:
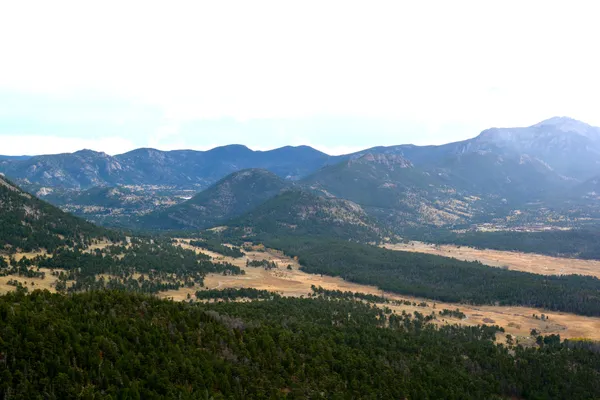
(565, 124)
(555, 131)
(88, 152)
(145, 150)
(557, 120)
(240, 148)
(391, 160)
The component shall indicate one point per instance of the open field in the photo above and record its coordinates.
(48, 282)
(518, 321)
(527, 262)
(97, 245)
(216, 256)
(18, 256)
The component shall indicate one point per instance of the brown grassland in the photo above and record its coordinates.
(527, 262)
(48, 282)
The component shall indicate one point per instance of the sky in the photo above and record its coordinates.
(336, 75)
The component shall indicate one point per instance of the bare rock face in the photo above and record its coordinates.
(44, 191)
(389, 160)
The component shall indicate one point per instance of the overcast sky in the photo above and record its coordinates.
(336, 75)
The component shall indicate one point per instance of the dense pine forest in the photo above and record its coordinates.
(441, 278)
(107, 344)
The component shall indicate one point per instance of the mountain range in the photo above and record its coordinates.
(14, 157)
(569, 148)
(183, 168)
(503, 175)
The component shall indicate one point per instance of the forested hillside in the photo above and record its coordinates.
(232, 196)
(119, 345)
(27, 223)
(299, 213)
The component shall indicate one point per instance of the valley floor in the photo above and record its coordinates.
(516, 261)
(517, 321)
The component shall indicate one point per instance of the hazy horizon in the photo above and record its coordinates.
(262, 149)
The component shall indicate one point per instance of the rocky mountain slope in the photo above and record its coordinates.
(589, 189)
(569, 147)
(566, 146)
(82, 169)
(393, 189)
